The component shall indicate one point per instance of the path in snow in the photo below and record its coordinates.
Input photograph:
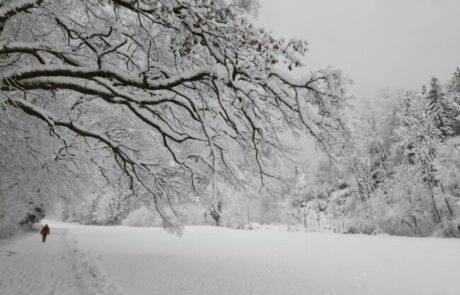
(57, 267)
(28, 266)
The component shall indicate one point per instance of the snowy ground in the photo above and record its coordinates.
(208, 260)
(28, 266)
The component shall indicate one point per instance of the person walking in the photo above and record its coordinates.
(44, 232)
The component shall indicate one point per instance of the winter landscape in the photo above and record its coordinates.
(229, 147)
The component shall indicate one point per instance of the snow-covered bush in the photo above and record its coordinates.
(32, 216)
(142, 217)
(18, 217)
(9, 226)
(111, 208)
(252, 226)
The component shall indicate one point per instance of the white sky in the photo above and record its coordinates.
(377, 43)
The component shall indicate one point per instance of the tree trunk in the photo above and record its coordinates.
(435, 207)
(451, 212)
(305, 219)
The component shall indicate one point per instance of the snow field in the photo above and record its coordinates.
(90, 260)
(210, 260)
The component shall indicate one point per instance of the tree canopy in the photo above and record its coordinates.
(174, 91)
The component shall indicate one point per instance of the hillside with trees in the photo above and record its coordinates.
(175, 112)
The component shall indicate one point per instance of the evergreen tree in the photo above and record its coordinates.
(453, 95)
(438, 109)
(453, 87)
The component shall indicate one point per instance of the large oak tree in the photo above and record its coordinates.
(175, 91)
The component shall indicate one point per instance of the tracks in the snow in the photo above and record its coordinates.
(28, 266)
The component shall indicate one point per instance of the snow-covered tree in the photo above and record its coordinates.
(419, 135)
(439, 109)
(453, 86)
(180, 88)
(447, 165)
(399, 182)
(453, 97)
(35, 172)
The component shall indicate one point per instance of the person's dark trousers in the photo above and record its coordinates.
(43, 238)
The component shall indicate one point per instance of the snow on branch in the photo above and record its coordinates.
(127, 79)
(215, 93)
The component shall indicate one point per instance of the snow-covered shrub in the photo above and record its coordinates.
(361, 223)
(455, 224)
(142, 217)
(351, 214)
(32, 216)
(356, 227)
(8, 226)
(450, 228)
(194, 214)
(109, 207)
(18, 217)
(252, 226)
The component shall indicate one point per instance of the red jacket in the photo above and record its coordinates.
(45, 230)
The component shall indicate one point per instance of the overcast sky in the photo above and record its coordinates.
(378, 43)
